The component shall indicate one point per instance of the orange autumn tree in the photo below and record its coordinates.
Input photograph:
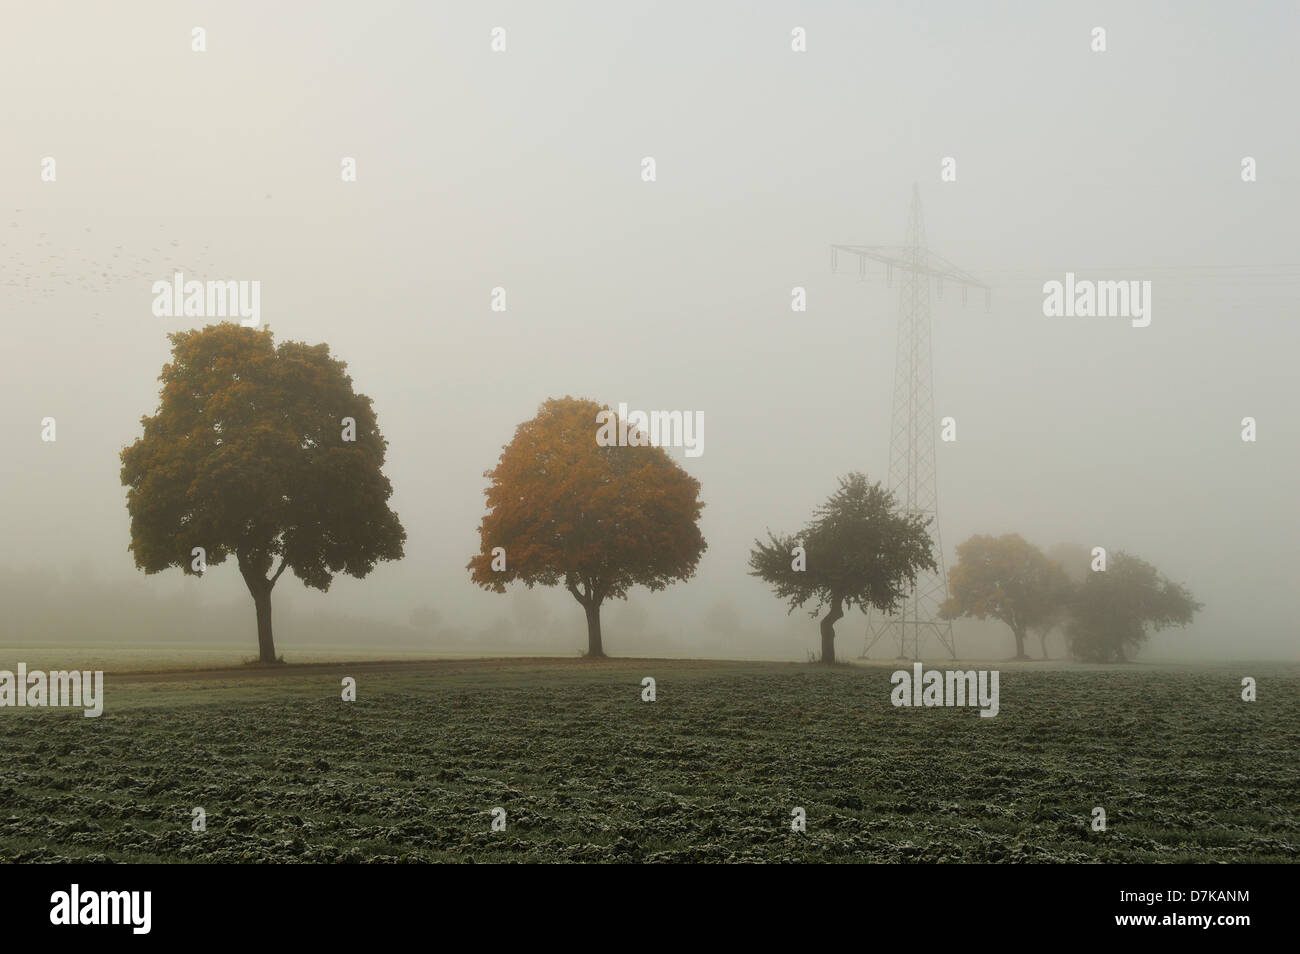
(563, 510)
(1010, 579)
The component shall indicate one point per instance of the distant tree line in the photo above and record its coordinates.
(1105, 605)
(860, 551)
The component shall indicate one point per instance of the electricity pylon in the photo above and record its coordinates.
(911, 446)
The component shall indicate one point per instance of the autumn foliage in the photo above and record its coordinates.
(596, 520)
(1106, 611)
(1009, 579)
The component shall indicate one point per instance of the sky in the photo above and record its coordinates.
(522, 169)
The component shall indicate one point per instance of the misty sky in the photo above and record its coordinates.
(522, 169)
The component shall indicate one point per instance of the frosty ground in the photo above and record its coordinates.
(285, 770)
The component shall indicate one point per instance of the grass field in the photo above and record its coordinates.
(711, 771)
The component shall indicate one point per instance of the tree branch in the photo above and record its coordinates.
(284, 562)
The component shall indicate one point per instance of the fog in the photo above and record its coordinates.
(522, 169)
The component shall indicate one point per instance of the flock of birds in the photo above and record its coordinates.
(88, 263)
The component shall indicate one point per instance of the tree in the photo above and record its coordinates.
(1075, 561)
(248, 455)
(1115, 607)
(857, 551)
(562, 509)
(1009, 579)
(1057, 593)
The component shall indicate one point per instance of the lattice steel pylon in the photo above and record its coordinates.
(912, 469)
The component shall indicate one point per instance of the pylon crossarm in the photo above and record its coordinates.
(891, 255)
(918, 261)
(950, 272)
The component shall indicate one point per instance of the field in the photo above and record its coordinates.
(711, 771)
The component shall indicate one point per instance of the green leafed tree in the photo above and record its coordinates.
(857, 551)
(249, 456)
(1009, 579)
(1114, 610)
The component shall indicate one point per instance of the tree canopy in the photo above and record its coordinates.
(1009, 579)
(1114, 609)
(856, 552)
(598, 520)
(248, 455)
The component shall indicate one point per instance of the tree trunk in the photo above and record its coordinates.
(1042, 638)
(265, 642)
(828, 631)
(261, 588)
(594, 647)
(1020, 644)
